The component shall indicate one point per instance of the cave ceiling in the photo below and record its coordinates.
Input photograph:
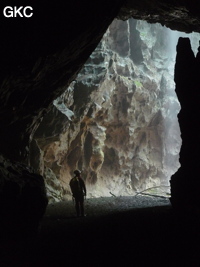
(41, 55)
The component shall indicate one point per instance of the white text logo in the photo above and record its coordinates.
(13, 12)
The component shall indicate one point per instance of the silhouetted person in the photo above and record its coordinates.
(78, 189)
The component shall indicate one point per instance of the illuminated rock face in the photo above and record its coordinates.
(118, 121)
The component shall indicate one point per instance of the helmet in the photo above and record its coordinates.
(77, 172)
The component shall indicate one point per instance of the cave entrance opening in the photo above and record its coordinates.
(118, 121)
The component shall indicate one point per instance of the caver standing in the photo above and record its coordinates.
(78, 189)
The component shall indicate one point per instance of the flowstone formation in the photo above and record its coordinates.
(117, 121)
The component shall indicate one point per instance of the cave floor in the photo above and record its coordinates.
(117, 231)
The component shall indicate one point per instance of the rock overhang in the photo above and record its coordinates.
(41, 55)
(177, 15)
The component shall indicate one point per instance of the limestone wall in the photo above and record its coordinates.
(118, 121)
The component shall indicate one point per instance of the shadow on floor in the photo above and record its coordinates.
(154, 236)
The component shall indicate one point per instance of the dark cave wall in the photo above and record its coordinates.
(23, 200)
(177, 15)
(185, 183)
(40, 56)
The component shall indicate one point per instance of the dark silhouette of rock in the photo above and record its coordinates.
(23, 200)
(185, 183)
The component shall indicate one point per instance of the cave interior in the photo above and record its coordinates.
(40, 57)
